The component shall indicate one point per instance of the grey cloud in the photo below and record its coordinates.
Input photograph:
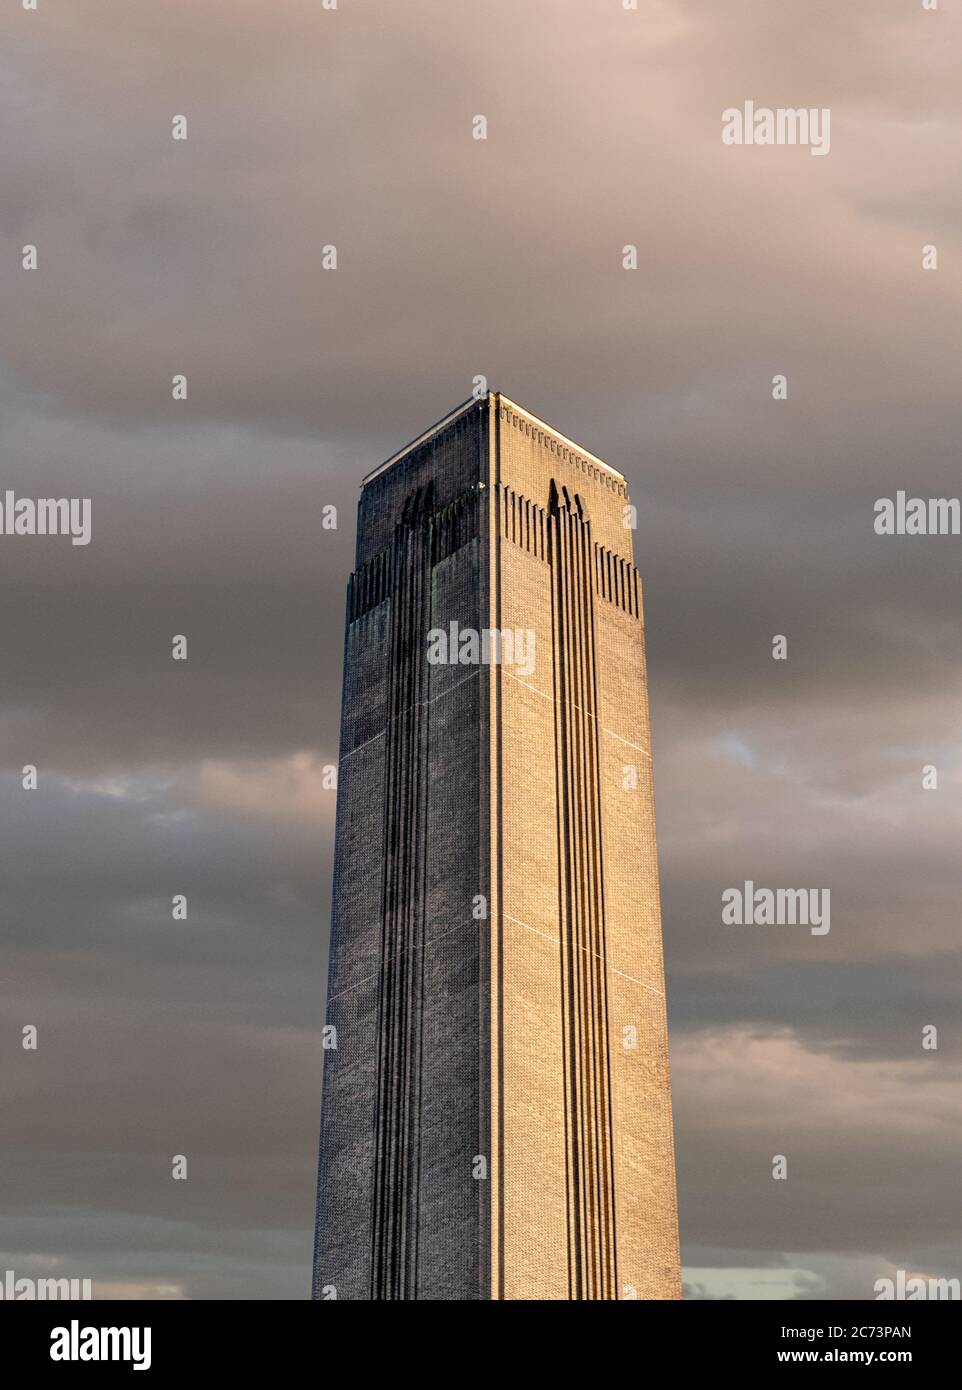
(456, 258)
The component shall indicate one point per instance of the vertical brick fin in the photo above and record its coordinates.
(584, 973)
(369, 586)
(423, 539)
(394, 1224)
(617, 580)
(523, 522)
(454, 525)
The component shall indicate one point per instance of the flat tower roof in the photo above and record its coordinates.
(466, 406)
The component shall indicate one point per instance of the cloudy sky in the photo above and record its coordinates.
(457, 257)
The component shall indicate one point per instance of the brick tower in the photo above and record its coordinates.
(496, 1116)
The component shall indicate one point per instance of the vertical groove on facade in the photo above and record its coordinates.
(617, 581)
(423, 539)
(581, 907)
(394, 1222)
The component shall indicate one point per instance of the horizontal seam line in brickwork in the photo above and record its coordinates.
(555, 942)
(433, 942)
(604, 729)
(433, 699)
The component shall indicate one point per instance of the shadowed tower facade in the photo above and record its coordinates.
(496, 1112)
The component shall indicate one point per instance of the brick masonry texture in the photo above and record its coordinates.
(496, 1117)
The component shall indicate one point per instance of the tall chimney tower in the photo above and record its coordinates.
(496, 1114)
